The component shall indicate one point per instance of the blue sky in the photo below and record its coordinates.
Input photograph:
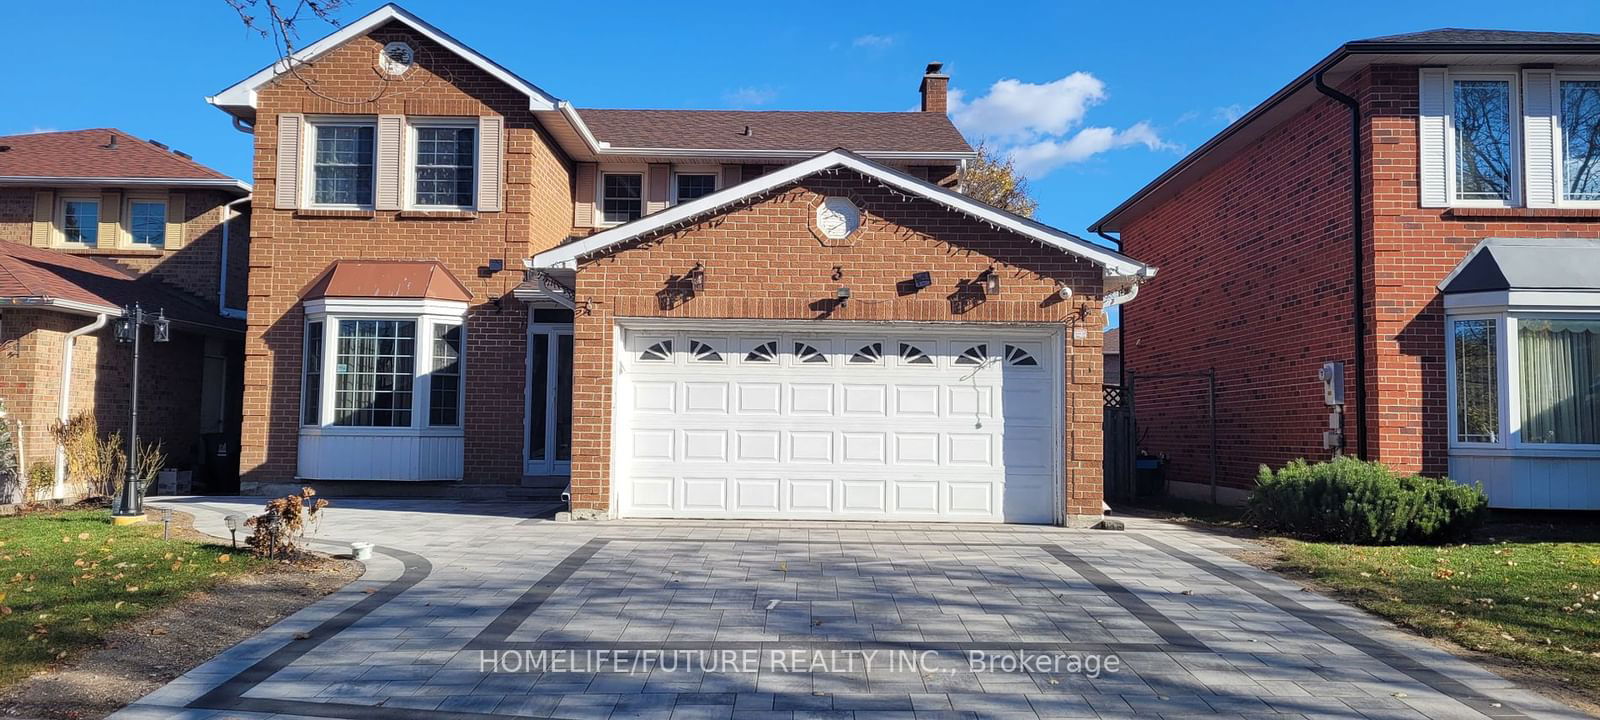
(1098, 98)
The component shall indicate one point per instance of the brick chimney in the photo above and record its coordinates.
(935, 89)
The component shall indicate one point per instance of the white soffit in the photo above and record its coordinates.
(567, 256)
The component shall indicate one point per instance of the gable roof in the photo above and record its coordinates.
(241, 96)
(38, 277)
(103, 156)
(1115, 263)
(415, 279)
(1527, 264)
(1431, 47)
(804, 133)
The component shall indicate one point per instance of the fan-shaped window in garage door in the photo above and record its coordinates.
(974, 355)
(703, 352)
(765, 352)
(867, 354)
(913, 355)
(659, 352)
(1019, 357)
(805, 353)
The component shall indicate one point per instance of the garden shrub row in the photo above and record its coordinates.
(1352, 501)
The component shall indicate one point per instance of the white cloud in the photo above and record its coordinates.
(1229, 113)
(875, 42)
(1040, 124)
(749, 96)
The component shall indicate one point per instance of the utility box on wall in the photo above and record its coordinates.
(1332, 376)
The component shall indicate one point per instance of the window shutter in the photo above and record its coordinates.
(391, 157)
(491, 162)
(657, 185)
(1539, 136)
(44, 210)
(110, 232)
(1433, 166)
(731, 175)
(583, 199)
(176, 212)
(291, 133)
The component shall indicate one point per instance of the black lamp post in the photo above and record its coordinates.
(130, 509)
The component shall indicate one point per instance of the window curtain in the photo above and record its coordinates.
(1560, 373)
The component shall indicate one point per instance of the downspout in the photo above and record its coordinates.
(1358, 281)
(64, 400)
(222, 272)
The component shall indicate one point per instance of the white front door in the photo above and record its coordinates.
(548, 443)
(887, 422)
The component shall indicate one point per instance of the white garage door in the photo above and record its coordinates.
(888, 423)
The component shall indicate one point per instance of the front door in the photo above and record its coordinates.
(549, 412)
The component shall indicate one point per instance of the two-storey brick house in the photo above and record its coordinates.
(91, 222)
(461, 284)
(1422, 208)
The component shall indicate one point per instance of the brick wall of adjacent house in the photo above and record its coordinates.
(31, 343)
(289, 248)
(1254, 282)
(1412, 249)
(763, 262)
(192, 268)
(1255, 264)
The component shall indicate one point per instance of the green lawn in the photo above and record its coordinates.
(66, 578)
(1534, 602)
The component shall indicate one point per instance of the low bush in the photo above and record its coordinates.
(1352, 501)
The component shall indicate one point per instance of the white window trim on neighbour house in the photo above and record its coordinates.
(1507, 309)
(428, 315)
(1537, 144)
(308, 160)
(59, 229)
(410, 166)
(600, 191)
(125, 229)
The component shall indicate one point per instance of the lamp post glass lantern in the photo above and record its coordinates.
(130, 507)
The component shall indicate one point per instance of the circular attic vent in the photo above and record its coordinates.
(397, 58)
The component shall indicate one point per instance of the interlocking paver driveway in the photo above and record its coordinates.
(471, 610)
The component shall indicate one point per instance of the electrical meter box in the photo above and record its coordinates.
(1332, 377)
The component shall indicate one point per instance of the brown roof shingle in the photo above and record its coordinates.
(38, 274)
(806, 131)
(91, 154)
(387, 279)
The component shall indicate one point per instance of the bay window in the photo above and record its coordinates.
(1524, 381)
(1559, 380)
(1476, 381)
(388, 366)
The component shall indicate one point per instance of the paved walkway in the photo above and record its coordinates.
(473, 610)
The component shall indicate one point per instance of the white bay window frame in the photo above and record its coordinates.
(1507, 309)
(428, 315)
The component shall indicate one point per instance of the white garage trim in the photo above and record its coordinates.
(1007, 479)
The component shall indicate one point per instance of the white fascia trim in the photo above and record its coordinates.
(566, 256)
(227, 184)
(243, 93)
(896, 155)
(70, 306)
(1523, 300)
(386, 306)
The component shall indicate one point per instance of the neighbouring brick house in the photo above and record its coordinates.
(1457, 282)
(463, 285)
(92, 221)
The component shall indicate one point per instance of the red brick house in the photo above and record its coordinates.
(1422, 209)
(465, 285)
(92, 221)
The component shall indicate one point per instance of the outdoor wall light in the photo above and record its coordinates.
(697, 278)
(991, 282)
(921, 280)
(124, 330)
(841, 296)
(163, 327)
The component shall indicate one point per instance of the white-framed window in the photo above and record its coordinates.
(1483, 139)
(1524, 381)
(1577, 151)
(621, 197)
(688, 186)
(396, 365)
(444, 164)
(342, 162)
(147, 222)
(78, 218)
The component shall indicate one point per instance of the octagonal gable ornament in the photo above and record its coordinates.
(836, 220)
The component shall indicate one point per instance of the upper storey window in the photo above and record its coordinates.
(342, 164)
(1580, 139)
(621, 197)
(691, 186)
(445, 167)
(1482, 121)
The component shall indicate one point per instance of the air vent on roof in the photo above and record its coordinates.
(747, 131)
(183, 154)
(111, 144)
(159, 145)
(4, 148)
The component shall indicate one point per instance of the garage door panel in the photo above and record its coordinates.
(773, 425)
